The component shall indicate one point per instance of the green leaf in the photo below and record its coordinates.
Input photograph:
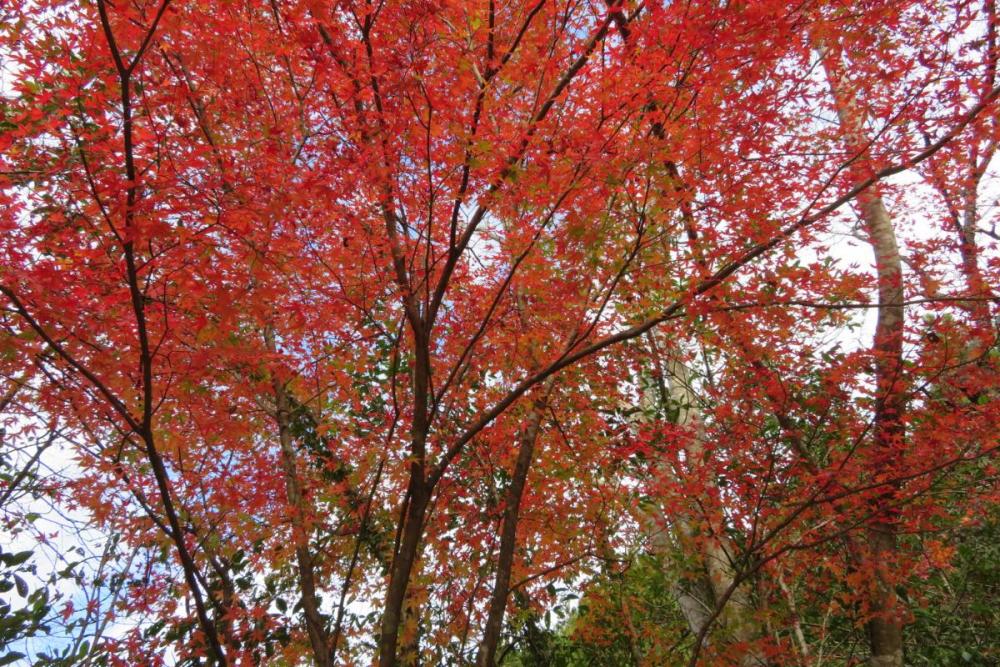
(13, 560)
(22, 586)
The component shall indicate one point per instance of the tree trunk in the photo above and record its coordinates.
(402, 565)
(508, 537)
(319, 638)
(315, 623)
(419, 489)
(697, 597)
(885, 628)
(716, 553)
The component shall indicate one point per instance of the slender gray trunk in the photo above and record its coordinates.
(698, 596)
(885, 628)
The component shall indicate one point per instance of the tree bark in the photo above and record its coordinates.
(402, 566)
(885, 628)
(419, 489)
(715, 552)
(698, 596)
(316, 628)
(508, 537)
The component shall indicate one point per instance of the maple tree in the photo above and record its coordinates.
(375, 330)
